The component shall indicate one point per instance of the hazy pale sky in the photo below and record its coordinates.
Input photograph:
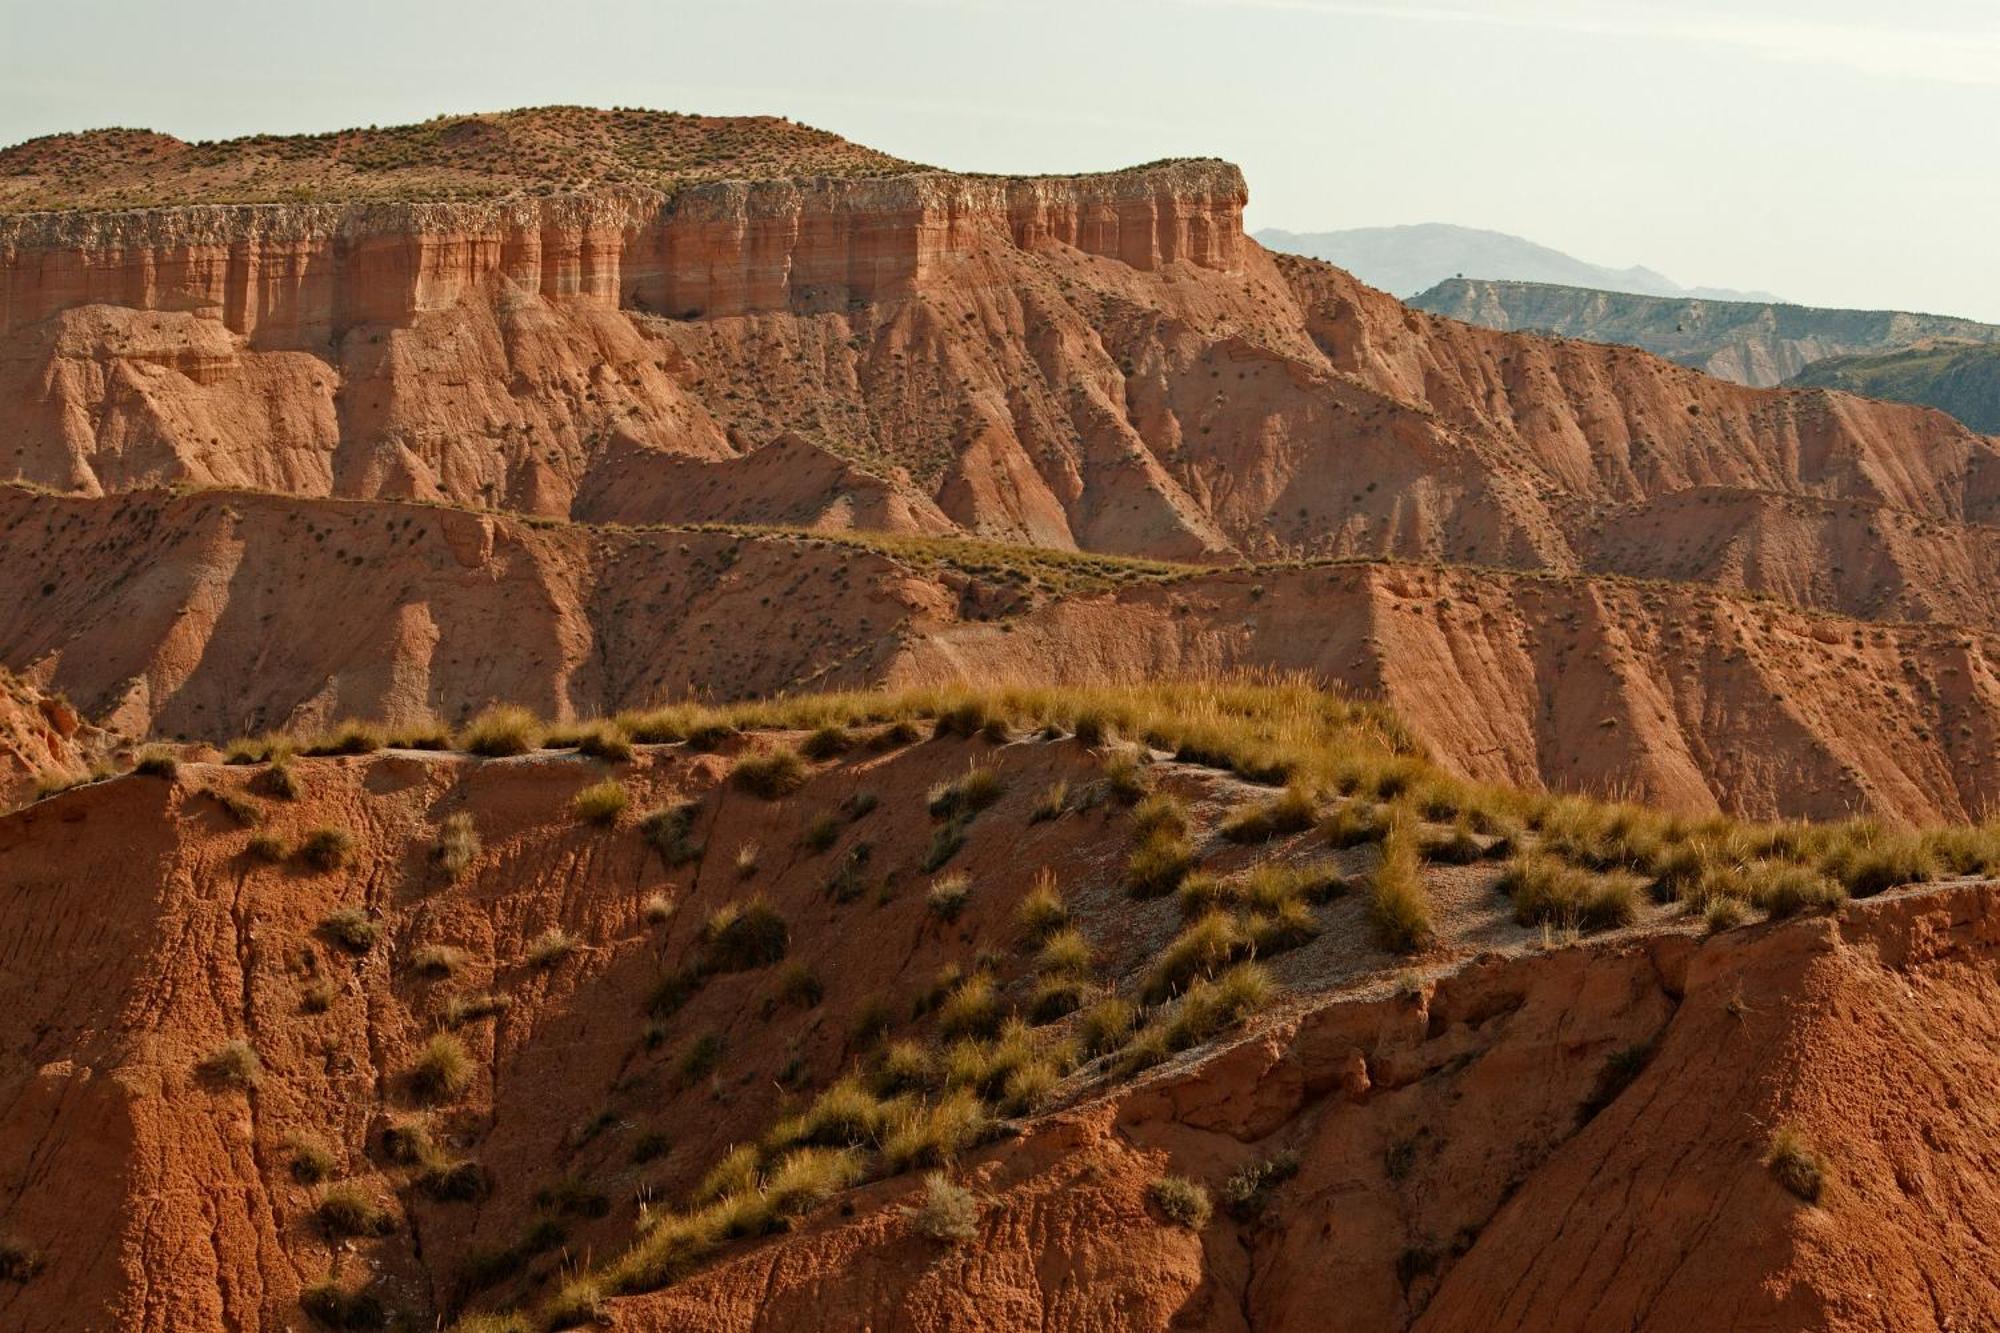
(1839, 152)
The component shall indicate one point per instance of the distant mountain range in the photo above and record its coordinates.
(1759, 343)
(1408, 260)
(1961, 378)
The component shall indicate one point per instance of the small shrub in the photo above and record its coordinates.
(844, 1115)
(1785, 890)
(316, 998)
(657, 910)
(1866, 869)
(739, 937)
(458, 844)
(1181, 1201)
(550, 947)
(799, 985)
(1795, 1163)
(443, 1069)
(425, 734)
(710, 735)
(701, 1058)
(607, 742)
(1105, 1025)
(437, 960)
(452, 1182)
(408, 1142)
(1056, 997)
(349, 1210)
(947, 896)
(576, 1303)
(1210, 1007)
(311, 1162)
(746, 860)
(1291, 812)
(980, 788)
(157, 762)
(19, 1261)
(327, 848)
(278, 782)
(351, 928)
(1244, 1193)
(348, 738)
(1158, 864)
(1064, 954)
(821, 833)
(600, 802)
(945, 844)
(971, 1010)
(234, 1064)
(803, 1179)
(771, 775)
(1355, 822)
(945, 1212)
(896, 735)
(1042, 911)
(669, 831)
(336, 1306)
(1051, 803)
(1457, 846)
(1126, 779)
(828, 742)
(1545, 890)
(935, 1133)
(463, 1009)
(1290, 927)
(266, 847)
(1202, 950)
(1399, 908)
(650, 1146)
(501, 732)
(1724, 913)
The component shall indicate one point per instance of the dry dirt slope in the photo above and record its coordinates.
(212, 615)
(1510, 1136)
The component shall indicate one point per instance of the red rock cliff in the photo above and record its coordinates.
(298, 275)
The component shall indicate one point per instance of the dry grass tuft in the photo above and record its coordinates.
(1181, 1201)
(946, 1213)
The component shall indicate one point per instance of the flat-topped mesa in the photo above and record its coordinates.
(299, 275)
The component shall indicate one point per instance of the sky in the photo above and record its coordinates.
(1838, 152)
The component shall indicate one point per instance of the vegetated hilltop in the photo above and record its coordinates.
(213, 613)
(536, 150)
(1169, 986)
(1406, 260)
(1953, 376)
(1760, 343)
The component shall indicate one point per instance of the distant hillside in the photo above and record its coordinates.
(1751, 342)
(1408, 260)
(1962, 378)
(536, 150)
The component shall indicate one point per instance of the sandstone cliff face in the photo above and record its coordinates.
(298, 276)
(1099, 362)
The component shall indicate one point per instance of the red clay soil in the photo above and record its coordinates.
(42, 736)
(1516, 1137)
